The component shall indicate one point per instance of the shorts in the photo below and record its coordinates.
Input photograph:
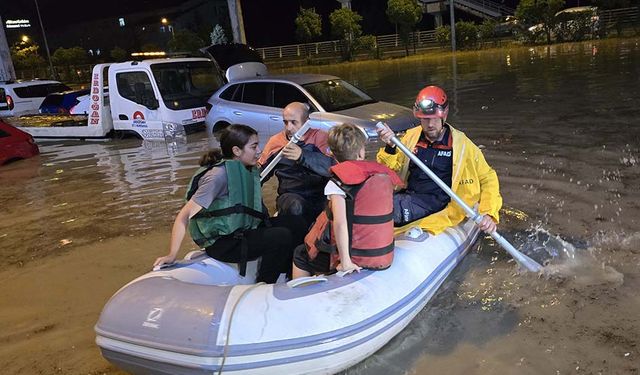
(320, 265)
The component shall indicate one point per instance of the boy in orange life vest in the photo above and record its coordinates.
(358, 222)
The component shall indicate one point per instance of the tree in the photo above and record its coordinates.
(345, 24)
(542, 12)
(405, 14)
(308, 26)
(218, 36)
(118, 54)
(66, 58)
(185, 41)
(25, 56)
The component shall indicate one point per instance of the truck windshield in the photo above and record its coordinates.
(337, 95)
(187, 84)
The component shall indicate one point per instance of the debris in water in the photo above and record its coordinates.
(65, 242)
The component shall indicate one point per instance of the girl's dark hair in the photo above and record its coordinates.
(232, 135)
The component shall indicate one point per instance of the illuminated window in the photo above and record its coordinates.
(121, 22)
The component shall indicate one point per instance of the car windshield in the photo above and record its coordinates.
(336, 95)
(186, 84)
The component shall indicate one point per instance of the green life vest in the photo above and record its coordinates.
(240, 210)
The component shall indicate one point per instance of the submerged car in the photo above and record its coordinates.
(258, 101)
(15, 144)
(19, 98)
(62, 102)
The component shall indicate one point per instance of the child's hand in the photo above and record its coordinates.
(348, 267)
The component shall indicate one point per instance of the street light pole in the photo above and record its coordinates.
(453, 27)
(46, 45)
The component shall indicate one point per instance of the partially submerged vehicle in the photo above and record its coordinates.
(150, 99)
(15, 144)
(256, 98)
(200, 317)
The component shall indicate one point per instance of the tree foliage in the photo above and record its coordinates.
(26, 56)
(466, 35)
(185, 41)
(218, 36)
(542, 12)
(118, 54)
(405, 14)
(69, 56)
(308, 25)
(345, 24)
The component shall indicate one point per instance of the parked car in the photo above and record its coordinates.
(258, 102)
(572, 24)
(19, 98)
(62, 102)
(15, 144)
(507, 26)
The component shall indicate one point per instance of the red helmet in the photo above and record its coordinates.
(431, 102)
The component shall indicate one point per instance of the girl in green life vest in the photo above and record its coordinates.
(224, 213)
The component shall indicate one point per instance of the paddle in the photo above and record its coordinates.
(294, 139)
(522, 259)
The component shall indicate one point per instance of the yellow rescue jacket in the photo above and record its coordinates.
(473, 180)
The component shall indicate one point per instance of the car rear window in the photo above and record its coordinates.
(229, 92)
(39, 90)
(3, 100)
(256, 93)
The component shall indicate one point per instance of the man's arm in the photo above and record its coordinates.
(490, 198)
(316, 161)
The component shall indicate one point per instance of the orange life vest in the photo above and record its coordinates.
(369, 202)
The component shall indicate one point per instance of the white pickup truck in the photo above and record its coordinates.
(152, 99)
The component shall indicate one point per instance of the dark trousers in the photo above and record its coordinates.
(275, 244)
(296, 204)
(408, 207)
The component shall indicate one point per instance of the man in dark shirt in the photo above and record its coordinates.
(303, 171)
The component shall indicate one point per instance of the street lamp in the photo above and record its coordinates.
(24, 38)
(165, 22)
(46, 45)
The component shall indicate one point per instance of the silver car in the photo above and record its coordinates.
(258, 102)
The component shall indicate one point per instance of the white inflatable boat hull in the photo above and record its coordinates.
(196, 319)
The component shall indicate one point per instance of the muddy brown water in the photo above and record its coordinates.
(560, 125)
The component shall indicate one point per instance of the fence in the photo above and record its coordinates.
(383, 42)
(619, 18)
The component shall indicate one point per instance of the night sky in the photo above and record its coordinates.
(276, 16)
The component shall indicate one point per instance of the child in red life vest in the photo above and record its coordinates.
(356, 229)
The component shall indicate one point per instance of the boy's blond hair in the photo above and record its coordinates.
(346, 141)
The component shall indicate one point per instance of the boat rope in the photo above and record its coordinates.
(228, 333)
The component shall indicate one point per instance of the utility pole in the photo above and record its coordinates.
(7, 73)
(46, 45)
(453, 27)
(237, 23)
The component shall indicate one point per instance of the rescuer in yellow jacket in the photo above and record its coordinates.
(450, 155)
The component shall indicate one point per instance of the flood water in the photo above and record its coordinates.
(559, 124)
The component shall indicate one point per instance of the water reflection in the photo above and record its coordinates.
(559, 125)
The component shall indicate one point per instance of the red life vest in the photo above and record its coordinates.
(369, 202)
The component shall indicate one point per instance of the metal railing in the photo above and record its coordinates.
(484, 8)
(383, 42)
(619, 17)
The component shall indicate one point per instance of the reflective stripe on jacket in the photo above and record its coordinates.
(473, 180)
